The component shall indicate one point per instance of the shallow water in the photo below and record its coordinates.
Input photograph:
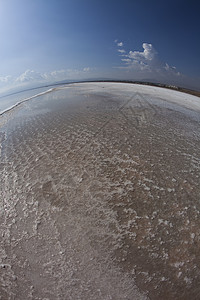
(11, 100)
(100, 196)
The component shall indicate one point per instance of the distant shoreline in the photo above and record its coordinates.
(162, 85)
(60, 84)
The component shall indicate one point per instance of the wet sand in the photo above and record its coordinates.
(100, 195)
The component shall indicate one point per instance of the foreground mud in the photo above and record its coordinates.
(100, 195)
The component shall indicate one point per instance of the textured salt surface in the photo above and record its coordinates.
(100, 193)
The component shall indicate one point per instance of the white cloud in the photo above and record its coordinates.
(147, 63)
(5, 79)
(149, 53)
(31, 78)
(29, 75)
(121, 50)
(120, 44)
(171, 69)
(86, 69)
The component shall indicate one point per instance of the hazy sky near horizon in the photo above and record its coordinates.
(49, 40)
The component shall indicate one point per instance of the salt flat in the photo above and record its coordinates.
(100, 190)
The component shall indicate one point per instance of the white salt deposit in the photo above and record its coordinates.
(100, 194)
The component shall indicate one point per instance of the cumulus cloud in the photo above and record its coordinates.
(67, 74)
(149, 53)
(32, 78)
(146, 63)
(29, 75)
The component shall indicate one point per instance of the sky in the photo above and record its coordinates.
(44, 41)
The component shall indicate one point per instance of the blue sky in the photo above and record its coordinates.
(49, 40)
